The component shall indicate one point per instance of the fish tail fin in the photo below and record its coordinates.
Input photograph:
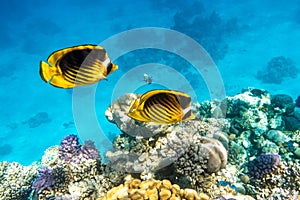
(188, 115)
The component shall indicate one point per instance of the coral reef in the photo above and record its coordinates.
(284, 102)
(277, 70)
(236, 147)
(292, 121)
(16, 180)
(73, 171)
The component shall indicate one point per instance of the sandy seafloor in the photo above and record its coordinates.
(31, 30)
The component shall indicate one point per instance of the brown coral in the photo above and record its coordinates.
(134, 189)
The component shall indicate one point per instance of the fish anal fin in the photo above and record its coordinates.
(137, 116)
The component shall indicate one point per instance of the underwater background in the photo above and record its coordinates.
(253, 44)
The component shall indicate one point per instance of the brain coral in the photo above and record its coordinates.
(204, 155)
(151, 189)
(262, 165)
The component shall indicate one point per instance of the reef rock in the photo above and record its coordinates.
(284, 102)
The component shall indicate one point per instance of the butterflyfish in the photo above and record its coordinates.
(162, 107)
(77, 66)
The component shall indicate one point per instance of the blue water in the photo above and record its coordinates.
(241, 37)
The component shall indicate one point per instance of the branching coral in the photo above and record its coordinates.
(16, 180)
(73, 171)
(283, 183)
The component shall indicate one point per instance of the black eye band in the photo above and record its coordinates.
(109, 67)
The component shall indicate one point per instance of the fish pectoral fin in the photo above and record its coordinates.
(137, 116)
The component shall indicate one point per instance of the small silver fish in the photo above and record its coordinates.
(147, 79)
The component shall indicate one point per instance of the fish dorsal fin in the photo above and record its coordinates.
(57, 55)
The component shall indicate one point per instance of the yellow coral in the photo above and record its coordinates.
(135, 189)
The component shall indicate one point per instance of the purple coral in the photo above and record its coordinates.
(71, 151)
(45, 180)
(69, 147)
(263, 164)
(89, 151)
